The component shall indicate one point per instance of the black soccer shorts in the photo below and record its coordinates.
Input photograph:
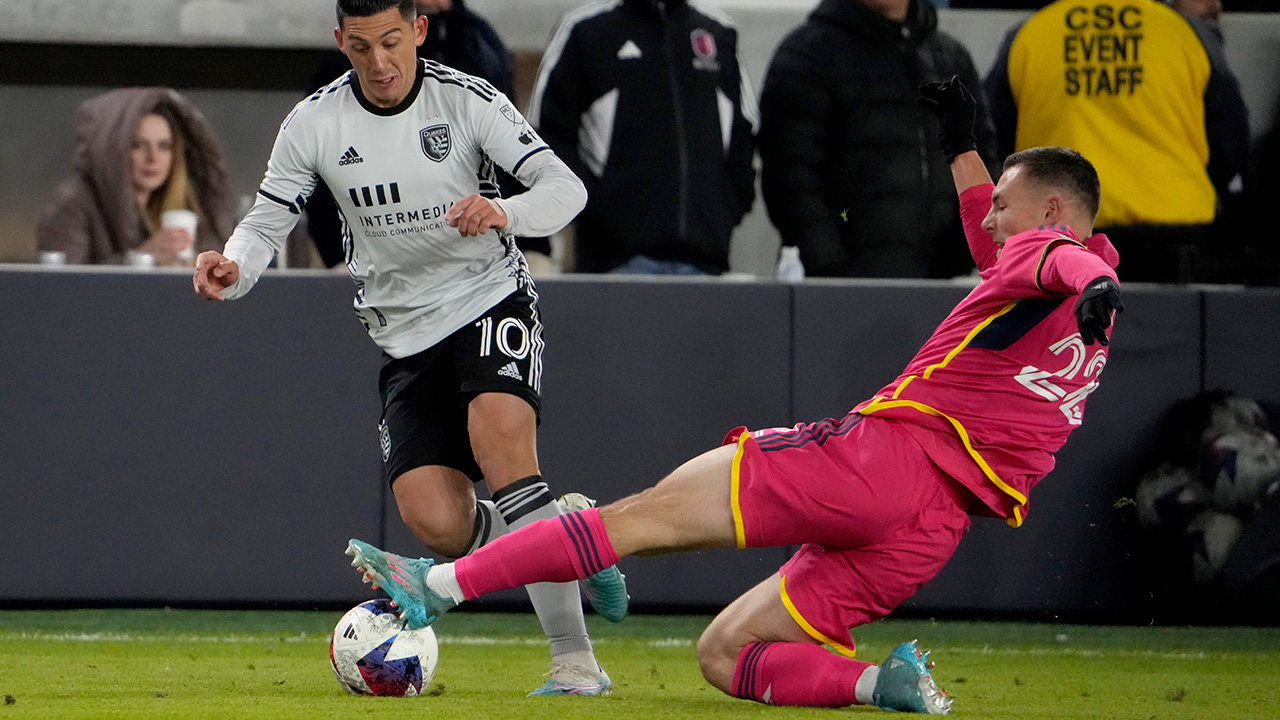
(425, 396)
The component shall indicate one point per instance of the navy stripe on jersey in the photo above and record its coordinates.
(448, 76)
(1044, 255)
(535, 354)
(819, 432)
(1013, 325)
(281, 201)
(488, 179)
(528, 155)
(333, 87)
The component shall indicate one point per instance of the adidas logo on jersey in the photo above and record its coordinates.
(510, 370)
(629, 50)
(350, 157)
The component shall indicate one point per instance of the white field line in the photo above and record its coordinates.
(511, 641)
(241, 638)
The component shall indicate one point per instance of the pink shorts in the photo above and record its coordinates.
(875, 517)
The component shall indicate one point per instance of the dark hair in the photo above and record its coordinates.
(1062, 168)
(365, 8)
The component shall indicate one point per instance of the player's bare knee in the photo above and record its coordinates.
(442, 534)
(717, 657)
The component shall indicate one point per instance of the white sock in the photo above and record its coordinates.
(866, 685)
(443, 580)
(586, 659)
(558, 605)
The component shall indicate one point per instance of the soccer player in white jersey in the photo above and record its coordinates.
(408, 148)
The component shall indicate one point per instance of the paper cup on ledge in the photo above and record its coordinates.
(187, 220)
(137, 259)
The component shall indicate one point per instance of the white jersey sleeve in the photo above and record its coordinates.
(290, 179)
(555, 195)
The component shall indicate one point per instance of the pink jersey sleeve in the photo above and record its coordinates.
(1049, 261)
(975, 203)
(1068, 268)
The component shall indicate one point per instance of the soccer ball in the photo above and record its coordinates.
(1240, 466)
(372, 653)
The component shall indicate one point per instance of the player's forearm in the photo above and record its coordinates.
(255, 241)
(554, 199)
(968, 171)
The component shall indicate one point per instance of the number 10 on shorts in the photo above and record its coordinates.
(510, 335)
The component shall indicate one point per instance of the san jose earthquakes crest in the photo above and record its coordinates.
(436, 142)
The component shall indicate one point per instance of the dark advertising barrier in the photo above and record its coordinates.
(162, 449)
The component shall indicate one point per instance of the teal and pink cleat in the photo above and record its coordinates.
(906, 685)
(404, 579)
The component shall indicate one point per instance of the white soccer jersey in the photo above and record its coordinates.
(394, 173)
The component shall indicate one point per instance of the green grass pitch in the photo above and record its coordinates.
(273, 665)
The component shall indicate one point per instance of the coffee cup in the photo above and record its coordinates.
(186, 220)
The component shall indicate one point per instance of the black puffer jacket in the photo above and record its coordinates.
(644, 100)
(853, 173)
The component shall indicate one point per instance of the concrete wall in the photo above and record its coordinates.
(37, 117)
(162, 449)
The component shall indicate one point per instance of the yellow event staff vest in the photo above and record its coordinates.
(1123, 83)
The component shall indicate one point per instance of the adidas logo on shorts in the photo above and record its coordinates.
(510, 370)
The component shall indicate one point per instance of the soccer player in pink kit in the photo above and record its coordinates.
(878, 499)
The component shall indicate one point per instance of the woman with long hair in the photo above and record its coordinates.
(140, 152)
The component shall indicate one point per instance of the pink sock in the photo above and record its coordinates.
(562, 549)
(783, 673)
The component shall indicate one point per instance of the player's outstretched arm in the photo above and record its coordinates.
(968, 171)
(957, 111)
(214, 273)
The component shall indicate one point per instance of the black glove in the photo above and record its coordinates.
(1093, 309)
(956, 110)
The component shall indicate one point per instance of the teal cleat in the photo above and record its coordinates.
(607, 589)
(906, 685)
(404, 579)
(580, 680)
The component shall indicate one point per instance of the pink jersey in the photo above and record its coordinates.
(1002, 382)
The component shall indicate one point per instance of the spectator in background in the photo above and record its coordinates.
(1207, 10)
(464, 41)
(646, 100)
(1147, 96)
(852, 172)
(1262, 252)
(139, 152)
